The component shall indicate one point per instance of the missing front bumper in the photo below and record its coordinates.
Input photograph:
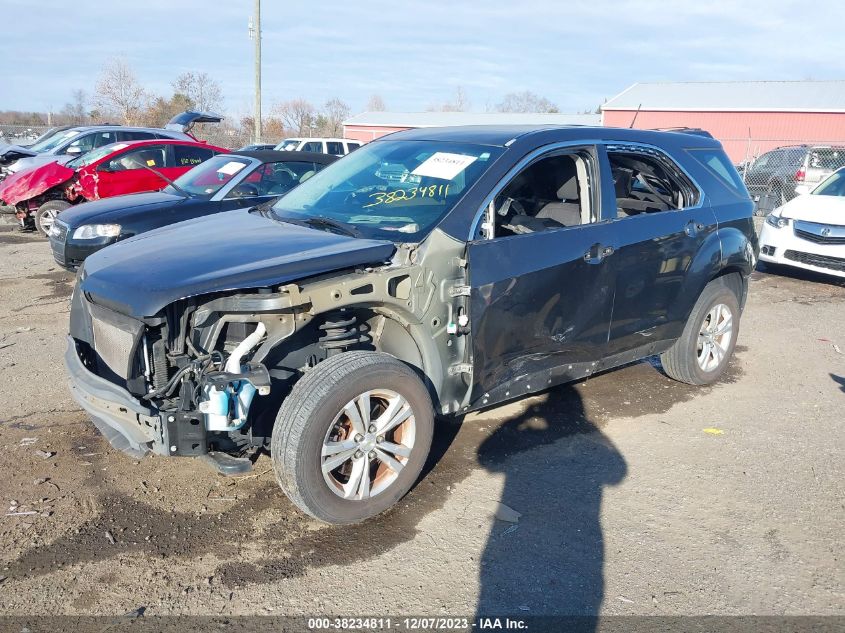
(128, 425)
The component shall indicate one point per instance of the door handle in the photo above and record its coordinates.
(597, 253)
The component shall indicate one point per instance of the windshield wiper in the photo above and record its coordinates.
(163, 177)
(322, 221)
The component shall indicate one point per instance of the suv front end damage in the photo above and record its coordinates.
(207, 374)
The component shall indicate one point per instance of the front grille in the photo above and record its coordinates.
(58, 238)
(820, 233)
(821, 261)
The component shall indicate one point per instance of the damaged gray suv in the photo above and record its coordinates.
(430, 273)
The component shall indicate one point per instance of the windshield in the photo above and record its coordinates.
(288, 145)
(94, 155)
(207, 178)
(51, 142)
(396, 190)
(833, 186)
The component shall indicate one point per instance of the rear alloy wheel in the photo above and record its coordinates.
(47, 213)
(701, 354)
(352, 437)
(715, 337)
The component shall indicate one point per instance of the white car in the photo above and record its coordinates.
(809, 231)
(336, 146)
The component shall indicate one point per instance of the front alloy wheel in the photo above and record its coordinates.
(368, 444)
(352, 436)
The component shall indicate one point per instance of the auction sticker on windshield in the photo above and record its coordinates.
(444, 165)
(231, 168)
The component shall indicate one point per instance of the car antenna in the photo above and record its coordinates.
(634, 120)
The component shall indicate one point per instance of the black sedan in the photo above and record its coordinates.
(223, 183)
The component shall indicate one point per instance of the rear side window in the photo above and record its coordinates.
(353, 146)
(190, 156)
(136, 136)
(718, 164)
(648, 181)
(90, 141)
(313, 146)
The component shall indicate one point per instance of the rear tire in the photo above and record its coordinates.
(344, 467)
(47, 213)
(701, 355)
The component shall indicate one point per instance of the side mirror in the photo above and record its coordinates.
(73, 150)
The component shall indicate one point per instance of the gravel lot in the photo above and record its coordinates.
(638, 495)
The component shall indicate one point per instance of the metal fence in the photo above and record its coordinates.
(21, 134)
(777, 170)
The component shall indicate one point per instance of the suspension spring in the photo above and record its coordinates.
(341, 330)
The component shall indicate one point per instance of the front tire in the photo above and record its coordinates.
(47, 213)
(352, 437)
(701, 355)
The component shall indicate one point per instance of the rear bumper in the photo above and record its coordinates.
(128, 425)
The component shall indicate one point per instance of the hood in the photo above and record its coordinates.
(29, 162)
(27, 184)
(227, 251)
(813, 208)
(108, 209)
(9, 153)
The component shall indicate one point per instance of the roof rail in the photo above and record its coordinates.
(697, 131)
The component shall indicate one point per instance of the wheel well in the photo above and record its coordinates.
(378, 331)
(736, 282)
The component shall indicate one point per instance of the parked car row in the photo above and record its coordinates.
(227, 181)
(67, 142)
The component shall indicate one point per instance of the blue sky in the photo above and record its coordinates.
(414, 54)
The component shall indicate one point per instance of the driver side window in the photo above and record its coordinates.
(553, 192)
(148, 156)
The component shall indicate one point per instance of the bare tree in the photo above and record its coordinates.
(335, 112)
(118, 91)
(75, 111)
(160, 110)
(298, 116)
(460, 103)
(525, 102)
(201, 89)
(376, 104)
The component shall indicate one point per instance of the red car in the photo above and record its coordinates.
(39, 194)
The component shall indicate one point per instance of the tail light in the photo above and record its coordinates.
(799, 175)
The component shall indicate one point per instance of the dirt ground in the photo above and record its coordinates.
(637, 494)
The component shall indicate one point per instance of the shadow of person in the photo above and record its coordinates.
(839, 380)
(556, 464)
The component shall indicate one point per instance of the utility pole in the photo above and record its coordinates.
(255, 34)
